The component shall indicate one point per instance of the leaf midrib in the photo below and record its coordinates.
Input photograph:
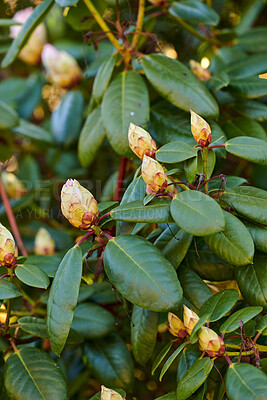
(29, 373)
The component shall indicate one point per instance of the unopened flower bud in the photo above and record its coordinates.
(78, 205)
(154, 175)
(210, 342)
(202, 73)
(190, 319)
(13, 185)
(62, 69)
(31, 52)
(8, 249)
(44, 243)
(141, 142)
(176, 326)
(200, 129)
(2, 314)
(109, 394)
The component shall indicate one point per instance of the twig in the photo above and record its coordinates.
(139, 23)
(86, 236)
(119, 186)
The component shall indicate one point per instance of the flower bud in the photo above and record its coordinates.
(154, 175)
(202, 73)
(62, 69)
(3, 315)
(141, 142)
(8, 249)
(190, 319)
(13, 185)
(176, 326)
(210, 342)
(200, 129)
(44, 243)
(31, 52)
(78, 205)
(109, 394)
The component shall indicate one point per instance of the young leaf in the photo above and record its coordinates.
(170, 360)
(251, 149)
(160, 357)
(32, 275)
(8, 290)
(102, 79)
(174, 152)
(244, 315)
(194, 11)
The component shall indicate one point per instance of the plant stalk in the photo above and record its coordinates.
(205, 159)
(139, 23)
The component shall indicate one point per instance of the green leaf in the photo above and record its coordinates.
(136, 267)
(262, 325)
(253, 109)
(66, 120)
(67, 3)
(194, 377)
(148, 198)
(158, 210)
(194, 11)
(218, 81)
(32, 374)
(248, 201)
(169, 396)
(190, 169)
(8, 117)
(244, 126)
(179, 85)
(248, 66)
(32, 275)
(244, 315)
(250, 149)
(8, 22)
(63, 298)
(75, 16)
(8, 290)
(110, 361)
(48, 263)
(189, 355)
(197, 213)
(160, 357)
(91, 138)
(174, 152)
(92, 321)
(249, 88)
(245, 382)
(255, 293)
(170, 360)
(247, 40)
(234, 244)
(126, 100)
(37, 16)
(33, 132)
(144, 328)
(102, 79)
(259, 236)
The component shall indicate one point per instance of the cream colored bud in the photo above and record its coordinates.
(200, 129)
(31, 52)
(3, 315)
(141, 142)
(78, 205)
(202, 73)
(62, 69)
(13, 185)
(154, 175)
(109, 394)
(176, 326)
(190, 319)
(44, 243)
(8, 248)
(210, 342)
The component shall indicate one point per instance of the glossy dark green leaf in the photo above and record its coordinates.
(48, 263)
(102, 79)
(170, 360)
(126, 100)
(63, 298)
(253, 109)
(245, 68)
(194, 11)
(158, 210)
(262, 325)
(8, 290)
(218, 81)
(245, 382)
(197, 213)
(259, 235)
(8, 117)
(37, 16)
(110, 361)
(244, 315)
(32, 275)
(33, 132)
(148, 198)
(246, 41)
(174, 152)
(234, 244)
(179, 85)
(160, 357)
(244, 126)
(194, 377)
(144, 328)
(249, 148)
(31, 96)
(32, 374)
(136, 267)
(189, 355)
(252, 281)
(190, 169)
(249, 88)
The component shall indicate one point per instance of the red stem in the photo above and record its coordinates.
(215, 146)
(119, 187)
(12, 220)
(89, 233)
(102, 217)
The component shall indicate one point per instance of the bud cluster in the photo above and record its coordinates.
(8, 248)
(200, 130)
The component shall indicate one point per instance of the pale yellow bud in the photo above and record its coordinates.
(202, 73)
(176, 326)
(44, 243)
(78, 205)
(200, 129)
(210, 342)
(109, 394)
(8, 249)
(141, 142)
(190, 319)
(31, 52)
(154, 175)
(62, 69)
(13, 185)
(3, 315)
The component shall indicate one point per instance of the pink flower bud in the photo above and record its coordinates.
(200, 130)
(13, 185)
(141, 142)
(44, 243)
(202, 73)
(154, 175)
(109, 394)
(8, 248)
(190, 319)
(210, 342)
(176, 326)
